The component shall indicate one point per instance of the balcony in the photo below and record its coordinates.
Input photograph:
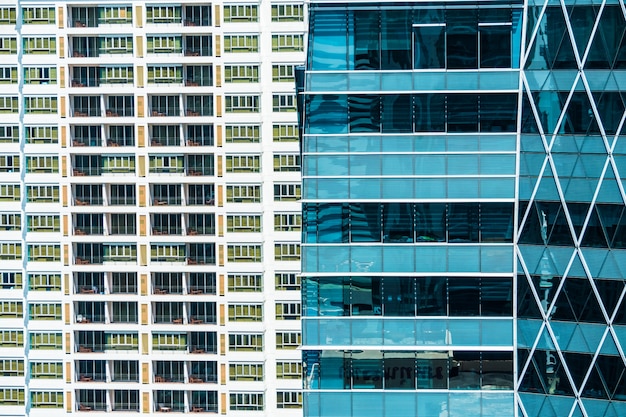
(166, 195)
(201, 254)
(123, 282)
(201, 283)
(88, 195)
(167, 283)
(201, 195)
(168, 312)
(88, 282)
(90, 371)
(203, 342)
(89, 311)
(91, 400)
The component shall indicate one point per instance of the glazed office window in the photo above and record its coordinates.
(198, 15)
(44, 253)
(243, 163)
(198, 45)
(163, 14)
(10, 280)
(164, 44)
(46, 370)
(243, 193)
(245, 253)
(287, 252)
(288, 311)
(10, 134)
(115, 14)
(42, 164)
(12, 367)
(44, 282)
(287, 13)
(247, 223)
(288, 399)
(252, 401)
(42, 193)
(44, 311)
(284, 103)
(42, 134)
(8, 15)
(292, 42)
(245, 282)
(285, 133)
(11, 338)
(245, 342)
(40, 75)
(288, 370)
(12, 396)
(288, 340)
(46, 399)
(286, 163)
(9, 163)
(9, 192)
(10, 221)
(8, 75)
(8, 104)
(165, 74)
(8, 45)
(245, 312)
(242, 104)
(39, 105)
(241, 43)
(241, 73)
(245, 372)
(38, 15)
(10, 251)
(243, 133)
(287, 281)
(40, 45)
(43, 223)
(241, 13)
(11, 309)
(120, 164)
(283, 73)
(287, 222)
(287, 192)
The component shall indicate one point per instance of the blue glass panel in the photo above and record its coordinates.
(367, 332)
(498, 405)
(398, 258)
(327, 113)
(463, 187)
(310, 332)
(495, 143)
(430, 258)
(364, 81)
(398, 143)
(369, 143)
(432, 404)
(463, 143)
(398, 164)
(430, 164)
(431, 332)
(367, 404)
(323, 81)
(397, 188)
(430, 188)
(364, 165)
(462, 164)
(333, 259)
(400, 404)
(334, 331)
(326, 144)
(394, 81)
(309, 258)
(497, 164)
(463, 80)
(311, 404)
(328, 41)
(463, 258)
(332, 188)
(336, 404)
(428, 143)
(464, 332)
(365, 189)
(496, 258)
(464, 404)
(497, 187)
(399, 332)
(366, 258)
(429, 81)
(499, 80)
(497, 332)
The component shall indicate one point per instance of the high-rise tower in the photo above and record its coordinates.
(464, 209)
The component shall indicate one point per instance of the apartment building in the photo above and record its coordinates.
(149, 207)
(464, 242)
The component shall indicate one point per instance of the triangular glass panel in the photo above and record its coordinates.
(593, 334)
(579, 116)
(619, 237)
(611, 411)
(620, 332)
(527, 331)
(594, 387)
(532, 403)
(609, 189)
(576, 268)
(534, 231)
(620, 57)
(538, 79)
(594, 259)
(526, 303)
(563, 405)
(549, 106)
(546, 286)
(577, 342)
(584, 18)
(576, 412)
(620, 313)
(556, 43)
(595, 407)
(594, 235)
(611, 368)
(529, 122)
(605, 44)
(619, 406)
(564, 80)
(620, 260)
(577, 302)
(563, 332)
(546, 189)
(534, 12)
(533, 379)
(579, 189)
(608, 346)
(578, 213)
(610, 268)
(610, 290)
(555, 222)
(564, 162)
(545, 341)
(610, 108)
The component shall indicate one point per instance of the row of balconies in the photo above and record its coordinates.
(93, 16)
(162, 283)
(94, 341)
(191, 224)
(160, 195)
(187, 164)
(86, 312)
(124, 106)
(100, 253)
(160, 135)
(97, 76)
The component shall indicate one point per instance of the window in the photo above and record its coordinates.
(284, 103)
(9, 134)
(245, 342)
(8, 105)
(46, 340)
(38, 15)
(10, 280)
(287, 163)
(198, 45)
(287, 192)
(46, 370)
(287, 13)
(241, 43)
(283, 73)
(247, 401)
(42, 164)
(12, 367)
(285, 133)
(122, 341)
(245, 371)
(169, 341)
(9, 163)
(287, 222)
(288, 399)
(244, 253)
(40, 75)
(243, 133)
(116, 14)
(287, 251)
(118, 164)
(243, 193)
(242, 104)
(9, 192)
(243, 223)
(241, 73)
(288, 311)
(8, 75)
(245, 312)
(42, 134)
(243, 163)
(167, 164)
(8, 15)
(288, 340)
(167, 253)
(163, 14)
(116, 45)
(10, 221)
(46, 399)
(44, 282)
(10, 251)
(165, 44)
(11, 338)
(40, 45)
(116, 75)
(121, 252)
(11, 309)
(44, 311)
(199, 75)
(289, 281)
(123, 224)
(245, 282)
(44, 253)
(43, 223)
(288, 43)
(241, 13)
(288, 370)
(41, 105)
(42, 193)
(8, 45)
(198, 15)
(165, 74)
(12, 396)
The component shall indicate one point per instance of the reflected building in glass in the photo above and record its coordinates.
(464, 216)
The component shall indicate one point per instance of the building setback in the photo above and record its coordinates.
(149, 207)
(464, 218)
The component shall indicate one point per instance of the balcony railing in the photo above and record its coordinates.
(81, 200)
(124, 289)
(88, 230)
(169, 377)
(199, 171)
(79, 142)
(165, 111)
(166, 201)
(200, 201)
(167, 289)
(201, 289)
(91, 406)
(200, 230)
(200, 260)
(120, 112)
(87, 112)
(171, 230)
(168, 318)
(122, 201)
(87, 260)
(90, 376)
(202, 319)
(86, 171)
(84, 318)
(115, 142)
(132, 377)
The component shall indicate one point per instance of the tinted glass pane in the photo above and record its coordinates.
(495, 46)
(462, 113)
(429, 111)
(396, 113)
(429, 47)
(464, 296)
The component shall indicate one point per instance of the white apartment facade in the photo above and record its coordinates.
(149, 213)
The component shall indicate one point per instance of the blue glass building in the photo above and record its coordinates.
(464, 245)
